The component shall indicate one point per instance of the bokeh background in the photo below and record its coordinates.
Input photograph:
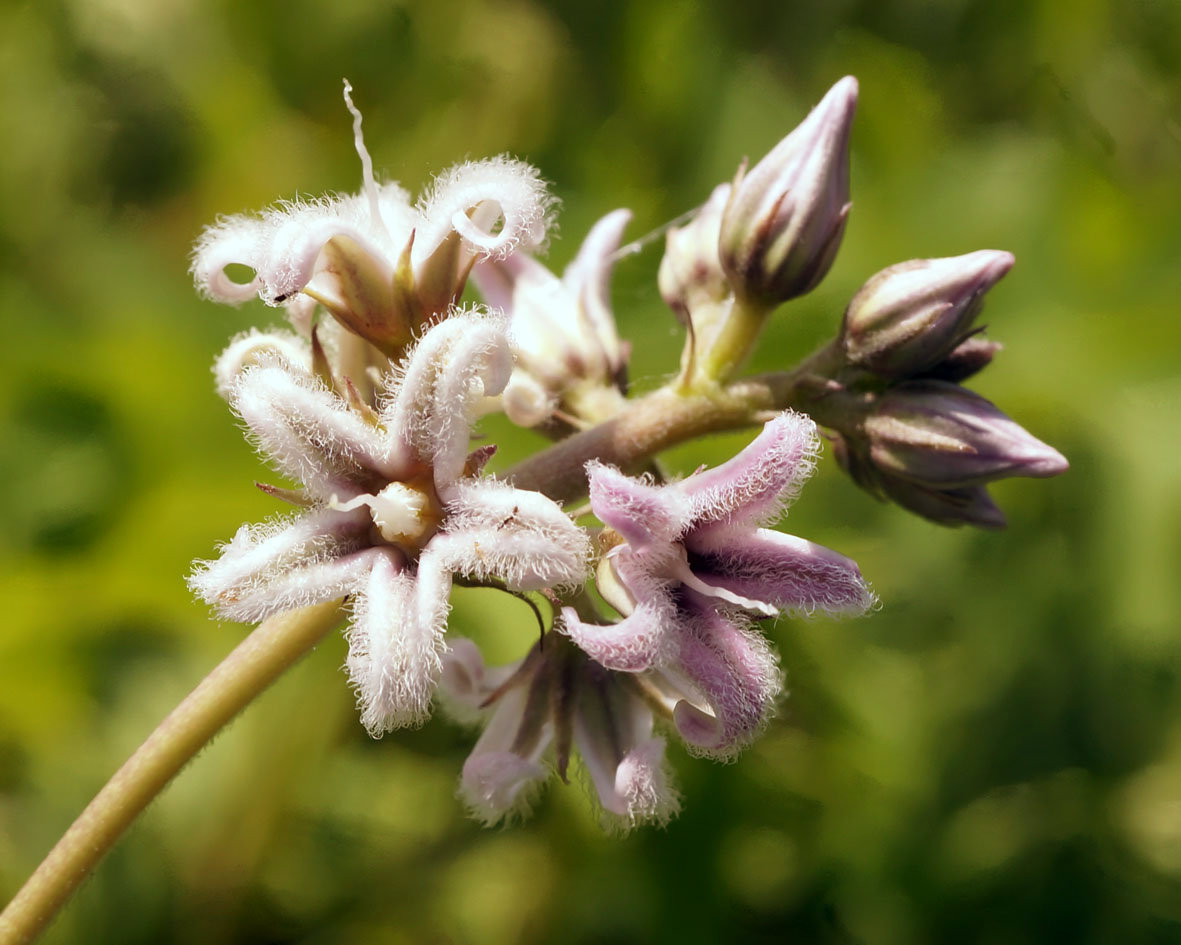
(994, 757)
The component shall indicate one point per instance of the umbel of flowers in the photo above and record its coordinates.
(661, 592)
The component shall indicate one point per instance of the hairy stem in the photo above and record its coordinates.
(665, 418)
(253, 665)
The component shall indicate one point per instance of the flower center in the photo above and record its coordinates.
(403, 514)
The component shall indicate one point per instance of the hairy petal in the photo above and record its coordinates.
(307, 431)
(643, 783)
(503, 774)
(613, 732)
(647, 516)
(756, 486)
(787, 572)
(282, 244)
(522, 538)
(396, 642)
(254, 347)
(515, 188)
(266, 569)
(736, 671)
(641, 640)
(458, 362)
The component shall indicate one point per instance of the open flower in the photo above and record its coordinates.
(535, 712)
(694, 568)
(380, 265)
(562, 330)
(395, 506)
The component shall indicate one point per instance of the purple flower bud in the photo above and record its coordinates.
(969, 357)
(784, 222)
(943, 436)
(908, 317)
(971, 505)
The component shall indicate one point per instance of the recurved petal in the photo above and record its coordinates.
(513, 187)
(755, 486)
(522, 538)
(457, 363)
(280, 565)
(282, 244)
(644, 514)
(396, 642)
(637, 642)
(588, 278)
(255, 347)
(308, 432)
(503, 774)
(738, 675)
(789, 573)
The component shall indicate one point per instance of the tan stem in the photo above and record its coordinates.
(665, 418)
(253, 665)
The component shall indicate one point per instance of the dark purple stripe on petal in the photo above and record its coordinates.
(787, 572)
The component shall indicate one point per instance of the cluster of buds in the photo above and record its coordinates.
(658, 605)
(904, 428)
(766, 238)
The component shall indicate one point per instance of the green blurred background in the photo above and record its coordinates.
(994, 757)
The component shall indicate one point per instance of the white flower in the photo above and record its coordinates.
(395, 507)
(382, 266)
(562, 330)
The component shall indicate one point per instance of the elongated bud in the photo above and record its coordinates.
(910, 316)
(786, 216)
(691, 273)
(937, 434)
(971, 505)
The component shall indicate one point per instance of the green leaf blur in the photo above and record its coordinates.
(994, 757)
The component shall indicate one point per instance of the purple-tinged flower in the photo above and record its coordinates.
(911, 316)
(786, 216)
(535, 713)
(694, 567)
(382, 267)
(562, 330)
(394, 506)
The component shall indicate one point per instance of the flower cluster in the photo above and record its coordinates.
(659, 605)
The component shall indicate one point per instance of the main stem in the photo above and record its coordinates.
(253, 665)
(665, 418)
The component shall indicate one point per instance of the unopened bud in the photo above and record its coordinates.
(969, 357)
(970, 505)
(910, 316)
(691, 276)
(937, 434)
(784, 222)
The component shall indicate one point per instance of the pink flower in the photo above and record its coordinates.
(535, 712)
(694, 569)
(395, 506)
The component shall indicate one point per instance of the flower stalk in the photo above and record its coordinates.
(255, 663)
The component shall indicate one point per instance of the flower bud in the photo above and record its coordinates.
(691, 276)
(784, 222)
(910, 316)
(937, 434)
(971, 505)
(969, 357)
